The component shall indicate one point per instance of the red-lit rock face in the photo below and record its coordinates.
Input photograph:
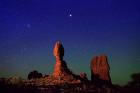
(100, 68)
(57, 69)
(58, 51)
(104, 68)
(60, 69)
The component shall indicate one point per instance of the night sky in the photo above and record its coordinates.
(86, 28)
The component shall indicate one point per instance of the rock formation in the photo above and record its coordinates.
(61, 73)
(83, 77)
(34, 75)
(100, 70)
(60, 70)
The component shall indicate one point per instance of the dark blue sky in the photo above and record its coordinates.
(30, 28)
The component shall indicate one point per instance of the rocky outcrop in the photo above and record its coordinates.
(83, 77)
(100, 70)
(34, 75)
(60, 70)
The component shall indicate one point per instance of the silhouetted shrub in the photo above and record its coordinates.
(134, 85)
(136, 77)
(135, 80)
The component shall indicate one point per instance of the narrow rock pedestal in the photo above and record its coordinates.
(60, 70)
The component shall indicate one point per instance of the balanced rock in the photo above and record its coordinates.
(60, 70)
(100, 70)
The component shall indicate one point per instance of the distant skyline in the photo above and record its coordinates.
(86, 28)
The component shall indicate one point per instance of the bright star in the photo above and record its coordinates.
(70, 15)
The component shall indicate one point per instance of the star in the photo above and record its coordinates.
(28, 25)
(70, 15)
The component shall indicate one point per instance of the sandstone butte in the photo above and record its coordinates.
(100, 70)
